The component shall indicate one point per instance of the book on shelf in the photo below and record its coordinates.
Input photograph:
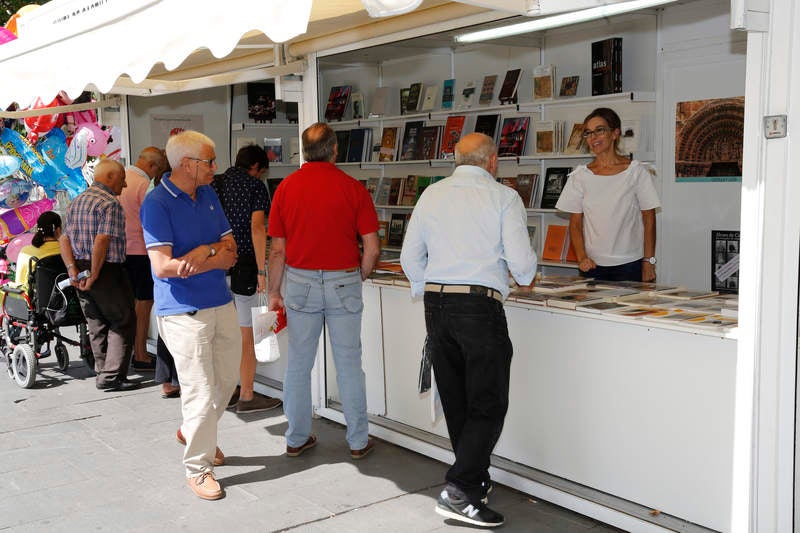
(408, 195)
(272, 186)
(524, 184)
(576, 144)
(642, 286)
(570, 299)
(645, 299)
(569, 86)
(533, 236)
(555, 243)
(545, 136)
(554, 180)
(394, 191)
(687, 294)
(429, 101)
(411, 147)
(635, 311)
(725, 261)
(357, 101)
(599, 307)
(487, 90)
(450, 136)
(241, 142)
(487, 124)
(389, 140)
(678, 315)
(379, 101)
(294, 150)
(467, 95)
(429, 142)
(372, 187)
(607, 66)
(422, 184)
(527, 297)
(556, 284)
(629, 136)
(714, 321)
(342, 142)
(414, 97)
(508, 91)
(337, 102)
(292, 111)
(397, 228)
(448, 93)
(543, 82)
(360, 147)
(404, 94)
(512, 136)
(274, 148)
(383, 232)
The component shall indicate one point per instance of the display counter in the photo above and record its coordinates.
(605, 412)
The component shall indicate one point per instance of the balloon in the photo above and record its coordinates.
(8, 165)
(18, 243)
(114, 148)
(6, 35)
(14, 193)
(11, 25)
(42, 123)
(53, 148)
(89, 140)
(33, 165)
(19, 220)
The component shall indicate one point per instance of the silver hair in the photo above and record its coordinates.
(187, 143)
(478, 157)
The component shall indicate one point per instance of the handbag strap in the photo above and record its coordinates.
(262, 298)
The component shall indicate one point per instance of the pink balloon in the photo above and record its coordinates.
(6, 36)
(17, 243)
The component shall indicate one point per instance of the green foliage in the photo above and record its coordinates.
(9, 7)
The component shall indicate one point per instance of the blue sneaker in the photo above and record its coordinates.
(450, 506)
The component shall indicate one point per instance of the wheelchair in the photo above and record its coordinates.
(31, 320)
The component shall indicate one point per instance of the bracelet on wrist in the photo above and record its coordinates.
(71, 265)
(262, 272)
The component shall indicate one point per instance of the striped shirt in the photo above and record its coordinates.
(96, 211)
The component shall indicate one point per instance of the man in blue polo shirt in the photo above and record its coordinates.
(191, 246)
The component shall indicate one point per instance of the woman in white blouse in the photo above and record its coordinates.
(613, 204)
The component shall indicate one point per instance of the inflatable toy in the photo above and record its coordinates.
(18, 243)
(19, 220)
(41, 124)
(14, 193)
(114, 148)
(6, 35)
(53, 148)
(89, 140)
(32, 164)
(8, 165)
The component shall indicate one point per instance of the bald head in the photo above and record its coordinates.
(477, 149)
(152, 161)
(319, 143)
(111, 174)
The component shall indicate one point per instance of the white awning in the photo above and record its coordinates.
(71, 44)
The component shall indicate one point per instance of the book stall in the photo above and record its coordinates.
(649, 407)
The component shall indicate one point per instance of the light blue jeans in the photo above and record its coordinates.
(335, 297)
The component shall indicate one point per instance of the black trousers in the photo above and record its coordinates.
(165, 365)
(111, 319)
(471, 354)
(626, 272)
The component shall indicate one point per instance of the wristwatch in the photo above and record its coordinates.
(651, 260)
(211, 251)
(262, 272)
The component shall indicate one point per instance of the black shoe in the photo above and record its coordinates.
(119, 385)
(144, 366)
(478, 514)
(234, 401)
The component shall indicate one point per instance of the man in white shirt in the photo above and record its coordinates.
(466, 234)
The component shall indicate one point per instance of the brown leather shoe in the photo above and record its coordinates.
(205, 486)
(219, 457)
(363, 452)
(294, 452)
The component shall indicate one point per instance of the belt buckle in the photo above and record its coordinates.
(478, 290)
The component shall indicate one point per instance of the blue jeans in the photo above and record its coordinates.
(335, 297)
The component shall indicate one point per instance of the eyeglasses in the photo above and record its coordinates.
(600, 130)
(209, 162)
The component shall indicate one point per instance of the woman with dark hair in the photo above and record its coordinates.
(43, 244)
(613, 204)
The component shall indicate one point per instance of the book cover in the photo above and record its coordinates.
(430, 98)
(569, 86)
(554, 284)
(599, 307)
(337, 102)
(543, 82)
(408, 195)
(292, 110)
(687, 294)
(372, 187)
(526, 184)
(570, 299)
(467, 95)
(261, 103)
(512, 136)
(383, 232)
(412, 150)
(554, 180)
(404, 93)
(294, 150)
(414, 97)
(395, 189)
(635, 311)
(380, 101)
(397, 228)
(272, 186)
(422, 184)
(629, 136)
(450, 136)
(555, 243)
(358, 140)
(607, 66)
(545, 137)
(508, 91)
(487, 90)
(382, 194)
(576, 144)
(429, 142)
(357, 99)
(388, 151)
(487, 124)
(448, 93)
(533, 236)
(725, 261)
(274, 148)
(342, 143)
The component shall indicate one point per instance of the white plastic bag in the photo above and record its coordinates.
(264, 335)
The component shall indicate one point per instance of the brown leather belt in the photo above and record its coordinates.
(478, 290)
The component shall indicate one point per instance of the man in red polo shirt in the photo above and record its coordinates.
(316, 218)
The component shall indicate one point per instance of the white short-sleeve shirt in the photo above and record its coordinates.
(612, 206)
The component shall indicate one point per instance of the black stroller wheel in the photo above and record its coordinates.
(62, 356)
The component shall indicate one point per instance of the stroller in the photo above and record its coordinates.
(31, 320)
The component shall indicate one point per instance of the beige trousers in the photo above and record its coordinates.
(207, 348)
